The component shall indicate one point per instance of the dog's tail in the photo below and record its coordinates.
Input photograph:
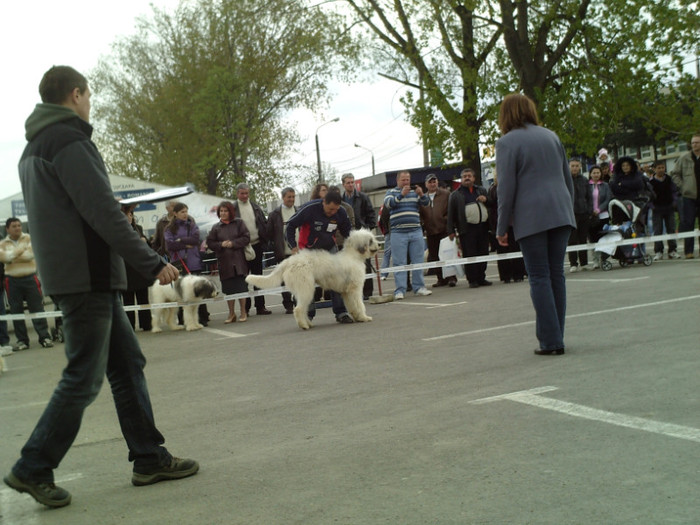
(266, 281)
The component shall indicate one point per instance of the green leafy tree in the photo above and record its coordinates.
(586, 63)
(200, 94)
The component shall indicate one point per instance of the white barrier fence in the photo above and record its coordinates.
(390, 269)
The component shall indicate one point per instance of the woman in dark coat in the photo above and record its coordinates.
(136, 284)
(228, 239)
(508, 269)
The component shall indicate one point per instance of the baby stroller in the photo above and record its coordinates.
(623, 225)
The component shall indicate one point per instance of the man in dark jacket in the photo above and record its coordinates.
(277, 225)
(365, 217)
(583, 209)
(663, 214)
(467, 216)
(321, 220)
(79, 258)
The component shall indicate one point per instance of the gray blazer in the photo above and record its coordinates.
(535, 190)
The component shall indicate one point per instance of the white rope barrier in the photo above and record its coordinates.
(391, 269)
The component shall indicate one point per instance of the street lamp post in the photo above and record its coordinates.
(371, 153)
(318, 150)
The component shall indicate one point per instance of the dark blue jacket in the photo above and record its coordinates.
(322, 229)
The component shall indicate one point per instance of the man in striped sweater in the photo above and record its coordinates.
(406, 234)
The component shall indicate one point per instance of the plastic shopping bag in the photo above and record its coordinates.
(447, 252)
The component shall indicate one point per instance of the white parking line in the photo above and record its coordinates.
(531, 397)
(226, 334)
(573, 316)
(618, 280)
(428, 305)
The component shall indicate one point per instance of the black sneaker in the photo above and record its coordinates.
(45, 493)
(177, 469)
(46, 343)
(344, 319)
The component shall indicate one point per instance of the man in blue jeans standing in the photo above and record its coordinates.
(81, 262)
(406, 233)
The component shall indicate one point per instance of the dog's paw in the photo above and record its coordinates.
(177, 327)
(192, 328)
(365, 319)
(156, 330)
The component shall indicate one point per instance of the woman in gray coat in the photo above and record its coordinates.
(535, 196)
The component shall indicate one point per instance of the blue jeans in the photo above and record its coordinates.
(544, 254)
(690, 209)
(664, 216)
(403, 245)
(386, 259)
(98, 340)
(20, 289)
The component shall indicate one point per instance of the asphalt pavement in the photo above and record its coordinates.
(437, 412)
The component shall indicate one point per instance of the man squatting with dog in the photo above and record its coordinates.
(324, 217)
(81, 261)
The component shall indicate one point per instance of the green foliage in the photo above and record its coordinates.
(592, 66)
(200, 94)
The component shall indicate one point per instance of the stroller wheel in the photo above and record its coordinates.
(606, 265)
(624, 262)
(647, 260)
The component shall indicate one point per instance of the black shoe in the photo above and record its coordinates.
(45, 493)
(439, 284)
(46, 343)
(452, 283)
(263, 311)
(506, 281)
(485, 283)
(558, 351)
(177, 469)
(474, 285)
(344, 319)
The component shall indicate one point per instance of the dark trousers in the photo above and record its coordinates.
(544, 259)
(475, 241)
(690, 210)
(580, 236)
(256, 268)
(20, 289)
(99, 342)
(132, 297)
(664, 216)
(433, 242)
(510, 269)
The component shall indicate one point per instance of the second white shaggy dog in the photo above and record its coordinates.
(343, 272)
(190, 288)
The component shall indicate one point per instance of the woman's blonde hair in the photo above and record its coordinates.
(516, 111)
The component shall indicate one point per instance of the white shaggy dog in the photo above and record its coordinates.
(190, 288)
(343, 272)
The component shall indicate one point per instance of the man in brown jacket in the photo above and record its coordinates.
(434, 219)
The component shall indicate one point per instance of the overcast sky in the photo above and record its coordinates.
(36, 34)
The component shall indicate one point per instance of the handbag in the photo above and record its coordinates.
(249, 253)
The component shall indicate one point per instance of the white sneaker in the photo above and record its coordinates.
(383, 277)
(6, 350)
(398, 296)
(573, 269)
(659, 256)
(674, 255)
(423, 291)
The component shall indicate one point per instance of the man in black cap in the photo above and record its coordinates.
(434, 219)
